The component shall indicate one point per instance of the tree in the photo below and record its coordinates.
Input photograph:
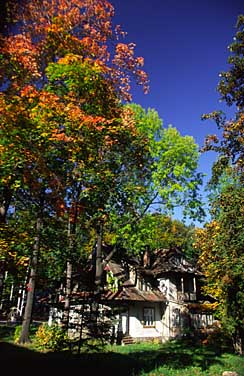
(55, 128)
(46, 33)
(230, 147)
(69, 148)
(173, 159)
(167, 178)
(155, 231)
(221, 242)
(221, 259)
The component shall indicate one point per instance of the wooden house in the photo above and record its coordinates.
(158, 299)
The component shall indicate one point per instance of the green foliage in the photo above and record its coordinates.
(18, 329)
(154, 231)
(221, 258)
(85, 80)
(230, 144)
(94, 345)
(231, 83)
(173, 162)
(112, 282)
(223, 262)
(17, 333)
(52, 337)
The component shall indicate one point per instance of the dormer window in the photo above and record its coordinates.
(178, 260)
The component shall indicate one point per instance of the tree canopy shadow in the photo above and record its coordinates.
(131, 363)
(14, 357)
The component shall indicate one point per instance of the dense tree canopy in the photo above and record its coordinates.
(221, 241)
(76, 162)
(64, 133)
(174, 161)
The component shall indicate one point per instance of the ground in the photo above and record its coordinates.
(171, 359)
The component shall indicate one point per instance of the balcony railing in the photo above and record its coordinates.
(186, 296)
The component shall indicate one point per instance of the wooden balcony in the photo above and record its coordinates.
(186, 296)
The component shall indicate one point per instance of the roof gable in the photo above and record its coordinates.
(171, 260)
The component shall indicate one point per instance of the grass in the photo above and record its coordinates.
(173, 358)
(183, 358)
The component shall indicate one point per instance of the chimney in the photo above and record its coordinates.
(146, 259)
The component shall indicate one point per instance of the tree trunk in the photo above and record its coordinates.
(21, 296)
(99, 264)
(24, 336)
(94, 307)
(238, 341)
(2, 277)
(65, 320)
(4, 204)
(4, 207)
(68, 289)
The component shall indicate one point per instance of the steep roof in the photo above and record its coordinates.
(117, 269)
(171, 260)
(126, 294)
(162, 262)
(133, 294)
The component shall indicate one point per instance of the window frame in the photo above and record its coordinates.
(176, 320)
(151, 321)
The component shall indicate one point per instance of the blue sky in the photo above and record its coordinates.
(184, 44)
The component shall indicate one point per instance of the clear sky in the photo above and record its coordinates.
(184, 44)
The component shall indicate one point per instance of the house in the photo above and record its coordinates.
(157, 299)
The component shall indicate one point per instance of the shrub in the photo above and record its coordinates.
(51, 337)
(94, 345)
(17, 332)
(218, 339)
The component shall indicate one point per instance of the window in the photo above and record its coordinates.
(188, 284)
(148, 317)
(176, 318)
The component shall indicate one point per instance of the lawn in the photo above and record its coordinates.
(182, 358)
(170, 359)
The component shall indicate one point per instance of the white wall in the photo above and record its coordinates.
(168, 320)
(168, 288)
(136, 328)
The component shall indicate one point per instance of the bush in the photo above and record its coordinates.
(94, 345)
(6, 332)
(17, 332)
(51, 337)
(219, 340)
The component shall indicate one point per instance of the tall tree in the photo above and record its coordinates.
(24, 335)
(173, 158)
(46, 32)
(221, 242)
(60, 106)
(64, 73)
(153, 231)
(166, 179)
(230, 145)
(221, 258)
